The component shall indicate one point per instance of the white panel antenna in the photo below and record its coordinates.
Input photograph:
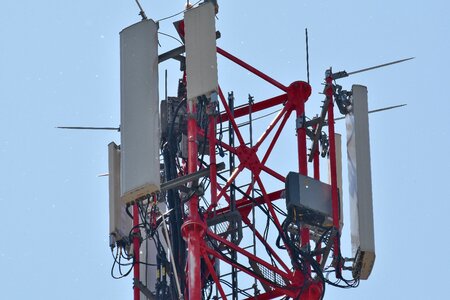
(360, 184)
(119, 222)
(338, 143)
(139, 109)
(201, 53)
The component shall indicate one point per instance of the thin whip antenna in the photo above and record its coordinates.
(307, 54)
(141, 11)
(343, 74)
(377, 110)
(380, 66)
(88, 128)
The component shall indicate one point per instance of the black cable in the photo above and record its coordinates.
(127, 209)
(125, 255)
(302, 258)
(171, 36)
(178, 13)
(219, 145)
(204, 123)
(143, 216)
(176, 216)
(242, 292)
(279, 210)
(116, 257)
(172, 124)
(118, 262)
(209, 284)
(348, 283)
(261, 206)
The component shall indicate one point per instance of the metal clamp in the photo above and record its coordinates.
(342, 98)
(211, 107)
(300, 122)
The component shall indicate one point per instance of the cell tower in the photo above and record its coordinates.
(199, 209)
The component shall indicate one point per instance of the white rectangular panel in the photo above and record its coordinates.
(201, 53)
(360, 183)
(139, 110)
(119, 222)
(338, 144)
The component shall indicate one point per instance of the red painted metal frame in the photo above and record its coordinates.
(245, 110)
(302, 156)
(194, 229)
(316, 166)
(251, 69)
(333, 172)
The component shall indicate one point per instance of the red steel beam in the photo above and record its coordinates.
(192, 228)
(316, 167)
(246, 254)
(233, 122)
(226, 146)
(225, 195)
(273, 173)
(277, 223)
(298, 96)
(266, 244)
(244, 204)
(270, 207)
(275, 196)
(214, 275)
(333, 173)
(270, 128)
(276, 136)
(230, 180)
(289, 292)
(269, 295)
(258, 106)
(251, 69)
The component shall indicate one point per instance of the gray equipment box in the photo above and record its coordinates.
(310, 199)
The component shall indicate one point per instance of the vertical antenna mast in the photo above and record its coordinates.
(141, 11)
(307, 54)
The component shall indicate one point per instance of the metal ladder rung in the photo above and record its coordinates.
(224, 171)
(248, 247)
(244, 185)
(229, 273)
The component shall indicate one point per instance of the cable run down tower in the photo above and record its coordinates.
(199, 206)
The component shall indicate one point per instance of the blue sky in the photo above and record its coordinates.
(59, 65)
